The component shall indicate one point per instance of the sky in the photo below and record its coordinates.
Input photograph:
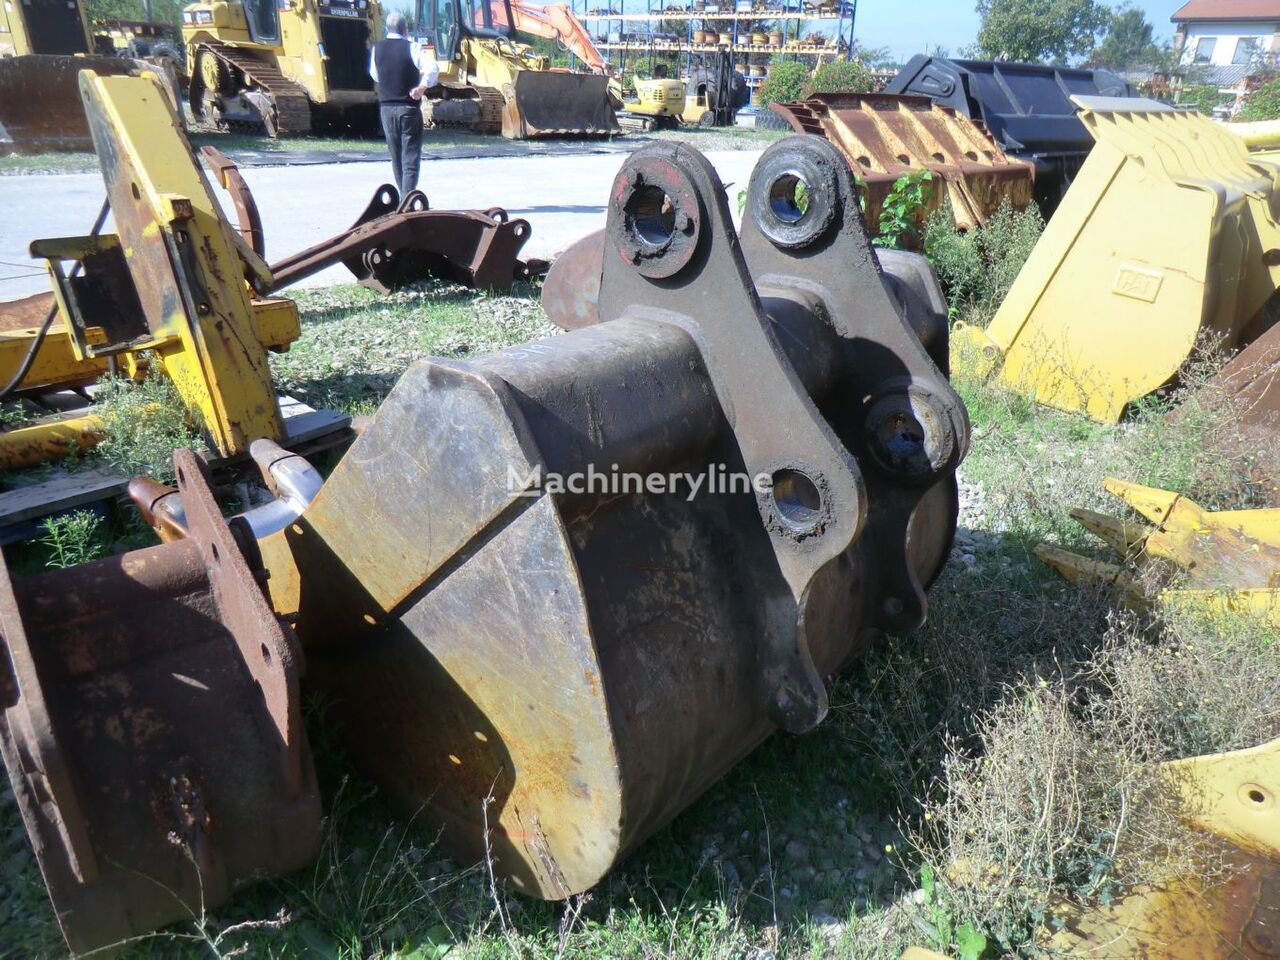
(911, 26)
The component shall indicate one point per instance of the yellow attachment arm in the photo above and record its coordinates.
(185, 266)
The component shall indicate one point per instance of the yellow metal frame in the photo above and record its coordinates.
(297, 55)
(186, 265)
(15, 37)
(1166, 234)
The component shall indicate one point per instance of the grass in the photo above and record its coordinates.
(238, 146)
(968, 778)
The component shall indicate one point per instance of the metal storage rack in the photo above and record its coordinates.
(641, 33)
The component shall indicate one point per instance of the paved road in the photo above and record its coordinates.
(562, 197)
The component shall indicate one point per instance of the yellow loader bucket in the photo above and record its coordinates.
(551, 103)
(884, 136)
(40, 107)
(1166, 234)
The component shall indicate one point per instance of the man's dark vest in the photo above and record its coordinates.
(396, 73)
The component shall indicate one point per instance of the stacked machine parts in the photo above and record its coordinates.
(159, 769)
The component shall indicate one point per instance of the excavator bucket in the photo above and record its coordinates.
(554, 593)
(1166, 238)
(555, 103)
(152, 728)
(885, 137)
(40, 107)
(1219, 561)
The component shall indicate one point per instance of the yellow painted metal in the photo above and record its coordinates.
(1166, 234)
(1231, 559)
(298, 54)
(185, 266)
(1232, 797)
(45, 442)
(60, 365)
(657, 97)
(72, 33)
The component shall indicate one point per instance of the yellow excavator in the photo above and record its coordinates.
(282, 66)
(489, 81)
(44, 44)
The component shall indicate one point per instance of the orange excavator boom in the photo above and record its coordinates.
(556, 21)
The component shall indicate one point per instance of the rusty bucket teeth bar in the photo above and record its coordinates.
(885, 137)
(152, 729)
(1228, 560)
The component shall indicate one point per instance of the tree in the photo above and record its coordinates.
(1035, 30)
(1129, 42)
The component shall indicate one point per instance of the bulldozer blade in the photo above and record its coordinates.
(554, 103)
(1224, 561)
(40, 105)
(885, 137)
(152, 728)
(1164, 240)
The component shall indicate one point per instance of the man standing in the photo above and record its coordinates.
(402, 78)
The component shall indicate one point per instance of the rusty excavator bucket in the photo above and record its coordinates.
(554, 593)
(885, 137)
(1166, 238)
(558, 103)
(40, 106)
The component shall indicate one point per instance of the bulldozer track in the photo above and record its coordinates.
(292, 106)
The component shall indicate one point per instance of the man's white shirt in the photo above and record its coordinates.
(429, 72)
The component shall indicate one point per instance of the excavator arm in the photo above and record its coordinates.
(556, 21)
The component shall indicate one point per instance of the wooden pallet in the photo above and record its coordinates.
(306, 430)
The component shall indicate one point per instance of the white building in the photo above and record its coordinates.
(1227, 34)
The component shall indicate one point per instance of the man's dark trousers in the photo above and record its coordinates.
(403, 128)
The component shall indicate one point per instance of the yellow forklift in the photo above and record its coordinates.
(282, 68)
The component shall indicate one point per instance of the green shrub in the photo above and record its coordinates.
(1263, 103)
(841, 76)
(785, 84)
(1204, 97)
(73, 538)
(977, 268)
(145, 423)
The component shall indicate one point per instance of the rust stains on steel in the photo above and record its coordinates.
(593, 662)
(588, 662)
(397, 241)
(885, 136)
(152, 729)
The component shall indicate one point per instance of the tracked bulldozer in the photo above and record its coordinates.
(551, 671)
(282, 68)
(44, 44)
(490, 82)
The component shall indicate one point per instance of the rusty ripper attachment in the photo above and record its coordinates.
(396, 241)
(152, 728)
(554, 666)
